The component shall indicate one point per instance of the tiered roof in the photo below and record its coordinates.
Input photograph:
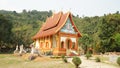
(54, 23)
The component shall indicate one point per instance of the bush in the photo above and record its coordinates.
(64, 59)
(88, 55)
(55, 57)
(98, 59)
(77, 61)
(118, 61)
(63, 56)
(48, 53)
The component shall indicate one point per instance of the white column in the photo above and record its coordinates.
(37, 44)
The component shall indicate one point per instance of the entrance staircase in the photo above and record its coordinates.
(72, 53)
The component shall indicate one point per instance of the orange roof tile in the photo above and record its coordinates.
(54, 24)
(52, 21)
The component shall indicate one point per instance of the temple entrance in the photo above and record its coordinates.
(68, 46)
(68, 43)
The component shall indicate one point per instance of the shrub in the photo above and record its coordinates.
(88, 55)
(55, 57)
(77, 61)
(64, 58)
(118, 61)
(98, 59)
(48, 53)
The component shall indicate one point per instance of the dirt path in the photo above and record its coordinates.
(92, 64)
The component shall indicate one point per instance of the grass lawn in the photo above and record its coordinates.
(11, 61)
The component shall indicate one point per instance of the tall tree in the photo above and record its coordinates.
(5, 29)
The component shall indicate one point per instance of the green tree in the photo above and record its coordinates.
(86, 41)
(5, 32)
(5, 29)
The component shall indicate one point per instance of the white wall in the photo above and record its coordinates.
(64, 38)
(37, 44)
(54, 42)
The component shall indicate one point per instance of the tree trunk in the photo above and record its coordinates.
(77, 66)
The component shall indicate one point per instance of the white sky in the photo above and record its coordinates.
(80, 7)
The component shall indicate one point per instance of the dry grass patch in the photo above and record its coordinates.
(11, 61)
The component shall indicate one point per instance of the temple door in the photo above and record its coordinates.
(68, 46)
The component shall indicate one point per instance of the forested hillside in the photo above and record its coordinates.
(23, 26)
(100, 33)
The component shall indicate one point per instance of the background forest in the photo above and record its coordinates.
(101, 33)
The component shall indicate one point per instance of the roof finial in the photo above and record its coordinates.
(69, 10)
(61, 10)
(53, 11)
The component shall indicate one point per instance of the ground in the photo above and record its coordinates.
(12, 61)
(92, 64)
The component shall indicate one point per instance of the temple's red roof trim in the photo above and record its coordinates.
(54, 23)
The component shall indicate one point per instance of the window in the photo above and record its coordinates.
(73, 45)
(68, 44)
(41, 44)
(62, 44)
(47, 45)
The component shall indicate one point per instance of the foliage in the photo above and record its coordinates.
(98, 59)
(5, 29)
(19, 28)
(64, 58)
(117, 38)
(86, 40)
(25, 24)
(109, 28)
(5, 33)
(101, 33)
(55, 57)
(118, 61)
(101, 30)
(88, 55)
(77, 61)
(48, 53)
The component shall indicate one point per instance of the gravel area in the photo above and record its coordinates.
(92, 64)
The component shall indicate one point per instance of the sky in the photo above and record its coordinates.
(76, 7)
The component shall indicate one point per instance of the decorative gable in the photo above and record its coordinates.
(68, 28)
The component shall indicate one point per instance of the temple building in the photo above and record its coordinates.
(58, 34)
